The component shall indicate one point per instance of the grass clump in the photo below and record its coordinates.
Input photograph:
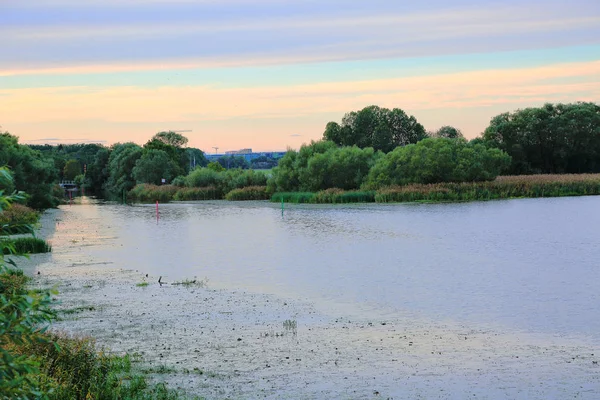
(25, 245)
(142, 284)
(293, 197)
(339, 196)
(248, 193)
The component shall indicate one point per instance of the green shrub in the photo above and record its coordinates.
(204, 177)
(147, 193)
(248, 193)
(18, 214)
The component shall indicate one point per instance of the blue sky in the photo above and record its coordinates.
(269, 74)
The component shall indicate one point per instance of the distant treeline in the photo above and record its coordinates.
(370, 149)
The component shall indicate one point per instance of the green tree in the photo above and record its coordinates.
(71, 170)
(171, 138)
(215, 166)
(435, 160)
(120, 169)
(377, 127)
(555, 138)
(31, 171)
(153, 166)
(449, 132)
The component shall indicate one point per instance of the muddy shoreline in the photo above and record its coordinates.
(241, 345)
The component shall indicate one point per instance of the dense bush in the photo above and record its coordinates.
(322, 165)
(435, 160)
(19, 214)
(204, 177)
(248, 193)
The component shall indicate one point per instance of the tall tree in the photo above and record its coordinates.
(71, 170)
(153, 166)
(377, 127)
(449, 132)
(555, 138)
(171, 138)
(120, 166)
(32, 172)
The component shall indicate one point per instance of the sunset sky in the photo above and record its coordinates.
(269, 74)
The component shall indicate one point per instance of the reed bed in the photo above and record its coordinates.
(198, 193)
(503, 187)
(248, 193)
(293, 197)
(328, 196)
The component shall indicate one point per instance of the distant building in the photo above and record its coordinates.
(248, 154)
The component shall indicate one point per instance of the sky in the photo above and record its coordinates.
(270, 74)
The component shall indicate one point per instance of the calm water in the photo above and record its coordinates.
(530, 264)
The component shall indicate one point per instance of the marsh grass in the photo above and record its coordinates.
(26, 245)
(198, 193)
(503, 187)
(248, 193)
(293, 197)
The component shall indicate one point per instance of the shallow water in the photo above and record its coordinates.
(526, 265)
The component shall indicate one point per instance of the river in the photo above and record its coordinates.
(482, 300)
(530, 264)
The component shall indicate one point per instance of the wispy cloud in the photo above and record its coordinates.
(238, 40)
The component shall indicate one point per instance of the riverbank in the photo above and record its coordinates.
(51, 363)
(220, 343)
